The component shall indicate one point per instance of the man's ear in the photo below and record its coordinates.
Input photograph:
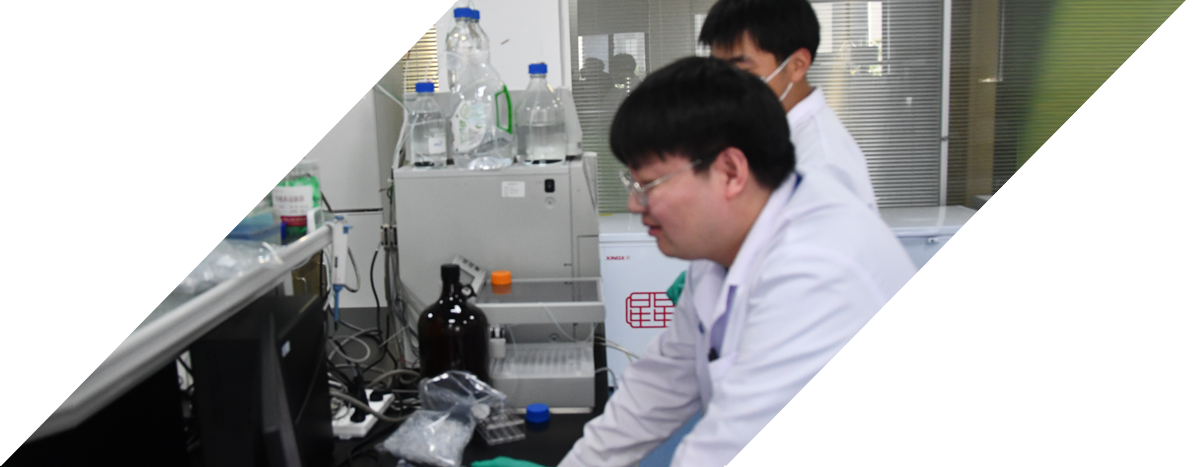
(734, 169)
(798, 66)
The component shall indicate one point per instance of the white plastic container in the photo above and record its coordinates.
(427, 145)
(924, 230)
(542, 137)
(159, 160)
(636, 277)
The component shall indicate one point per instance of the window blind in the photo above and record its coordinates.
(879, 65)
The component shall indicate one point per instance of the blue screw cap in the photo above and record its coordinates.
(537, 413)
(538, 68)
(424, 86)
(462, 12)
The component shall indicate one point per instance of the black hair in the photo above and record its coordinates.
(780, 27)
(695, 108)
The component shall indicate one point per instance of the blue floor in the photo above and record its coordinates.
(1073, 421)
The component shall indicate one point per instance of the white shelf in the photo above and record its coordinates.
(45, 86)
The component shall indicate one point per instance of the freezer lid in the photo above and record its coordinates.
(623, 228)
(1085, 208)
(926, 221)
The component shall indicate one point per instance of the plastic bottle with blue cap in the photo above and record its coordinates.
(538, 416)
(542, 137)
(426, 147)
(460, 43)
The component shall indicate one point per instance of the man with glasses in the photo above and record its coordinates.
(785, 268)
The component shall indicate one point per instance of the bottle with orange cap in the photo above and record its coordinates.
(501, 282)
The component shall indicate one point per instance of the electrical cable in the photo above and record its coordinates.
(363, 406)
(611, 373)
(391, 373)
(591, 331)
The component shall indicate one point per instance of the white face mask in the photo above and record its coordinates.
(776, 72)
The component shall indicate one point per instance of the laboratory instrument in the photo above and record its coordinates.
(1095, 283)
(427, 146)
(540, 224)
(960, 253)
(159, 157)
(542, 137)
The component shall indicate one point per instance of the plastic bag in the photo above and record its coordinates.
(134, 249)
(452, 404)
(202, 264)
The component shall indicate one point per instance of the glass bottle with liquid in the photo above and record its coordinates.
(461, 43)
(542, 138)
(427, 144)
(452, 333)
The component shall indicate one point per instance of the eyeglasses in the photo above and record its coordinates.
(638, 191)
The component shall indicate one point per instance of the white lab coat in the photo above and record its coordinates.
(822, 143)
(815, 267)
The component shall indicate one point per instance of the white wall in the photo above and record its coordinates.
(521, 32)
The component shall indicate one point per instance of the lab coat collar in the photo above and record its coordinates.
(806, 108)
(760, 233)
(712, 298)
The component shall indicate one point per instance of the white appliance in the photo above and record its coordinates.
(636, 276)
(960, 253)
(1095, 282)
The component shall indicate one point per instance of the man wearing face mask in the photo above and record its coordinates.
(776, 40)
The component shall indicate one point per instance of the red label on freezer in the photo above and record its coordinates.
(648, 310)
(618, 258)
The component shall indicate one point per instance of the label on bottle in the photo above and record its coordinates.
(436, 145)
(293, 202)
(468, 125)
(259, 196)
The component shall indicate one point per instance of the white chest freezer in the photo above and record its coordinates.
(1095, 282)
(636, 276)
(960, 253)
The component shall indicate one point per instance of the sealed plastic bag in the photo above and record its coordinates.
(202, 264)
(452, 404)
(135, 249)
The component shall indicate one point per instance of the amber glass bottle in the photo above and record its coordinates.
(453, 334)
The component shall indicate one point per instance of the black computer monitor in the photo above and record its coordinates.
(261, 392)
